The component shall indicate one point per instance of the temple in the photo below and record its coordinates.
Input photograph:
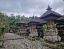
(21, 27)
(35, 26)
(60, 27)
(50, 16)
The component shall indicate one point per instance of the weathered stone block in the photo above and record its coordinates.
(52, 38)
(51, 35)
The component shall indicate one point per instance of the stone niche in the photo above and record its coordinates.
(51, 35)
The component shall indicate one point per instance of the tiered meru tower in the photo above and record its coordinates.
(50, 16)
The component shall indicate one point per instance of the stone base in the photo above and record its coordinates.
(32, 35)
(52, 38)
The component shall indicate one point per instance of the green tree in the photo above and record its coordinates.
(6, 21)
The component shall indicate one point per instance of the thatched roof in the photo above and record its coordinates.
(36, 20)
(61, 18)
(21, 22)
(50, 12)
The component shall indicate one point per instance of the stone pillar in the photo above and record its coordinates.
(51, 35)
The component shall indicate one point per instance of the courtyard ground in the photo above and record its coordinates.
(21, 42)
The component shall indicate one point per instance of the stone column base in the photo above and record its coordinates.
(52, 38)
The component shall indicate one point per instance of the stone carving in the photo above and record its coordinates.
(51, 35)
(52, 38)
(33, 33)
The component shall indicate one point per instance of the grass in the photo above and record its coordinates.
(2, 38)
(1, 46)
(56, 45)
(45, 34)
(59, 45)
(32, 38)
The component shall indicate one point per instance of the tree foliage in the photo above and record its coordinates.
(6, 21)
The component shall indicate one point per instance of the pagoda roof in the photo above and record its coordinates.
(22, 22)
(61, 18)
(36, 20)
(49, 12)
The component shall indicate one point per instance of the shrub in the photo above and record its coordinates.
(45, 34)
(41, 40)
(1, 46)
(44, 26)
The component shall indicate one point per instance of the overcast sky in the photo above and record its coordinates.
(30, 7)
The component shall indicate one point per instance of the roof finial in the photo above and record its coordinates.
(49, 8)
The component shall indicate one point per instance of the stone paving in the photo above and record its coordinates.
(21, 43)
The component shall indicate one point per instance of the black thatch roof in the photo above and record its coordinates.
(21, 22)
(36, 20)
(61, 18)
(50, 12)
